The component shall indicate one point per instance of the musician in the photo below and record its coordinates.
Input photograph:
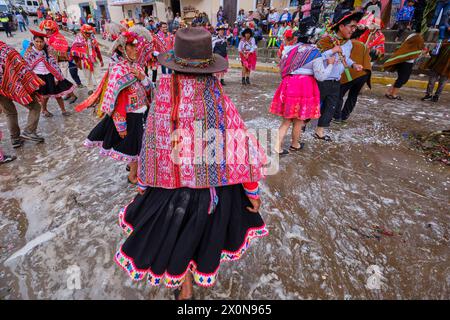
(337, 42)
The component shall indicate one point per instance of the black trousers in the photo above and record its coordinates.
(73, 69)
(7, 29)
(353, 88)
(404, 71)
(329, 99)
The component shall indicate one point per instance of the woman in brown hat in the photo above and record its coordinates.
(198, 177)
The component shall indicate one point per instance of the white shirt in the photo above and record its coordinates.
(314, 68)
(40, 68)
(274, 17)
(338, 67)
(248, 46)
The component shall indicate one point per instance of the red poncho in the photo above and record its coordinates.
(17, 81)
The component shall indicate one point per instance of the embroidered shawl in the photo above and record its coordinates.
(120, 77)
(164, 43)
(17, 81)
(195, 137)
(59, 45)
(34, 57)
(116, 79)
(79, 50)
(145, 53)
(297, 57)
(374, 41)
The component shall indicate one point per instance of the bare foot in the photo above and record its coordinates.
(132, 180)
(187, 288)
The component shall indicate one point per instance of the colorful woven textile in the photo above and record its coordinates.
(17, 81)
(298, 57)
(196, 138)
(33, 57)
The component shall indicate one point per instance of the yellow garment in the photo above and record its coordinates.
(358, 3)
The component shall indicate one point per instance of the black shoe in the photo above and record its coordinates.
(435, 98)
(32, 137)
(427, 97)
(243, 81)
(74, 99)
(222, 82)
(17, 143)
(282, 153)
(7, 158)
(326, 138)
(90, 92)
(247, 80)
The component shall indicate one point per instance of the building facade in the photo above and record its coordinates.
(117, 10)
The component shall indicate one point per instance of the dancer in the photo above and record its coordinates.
(5, 158)
(192, 214)
(402, 61)
(46, 67)
(247, 52)
(344, 26)
(86, 54)
(124, 99)
(146, 56)
(18, 83)
(297, 99)
(60, 49)
(374, 39)
(360, 54)
(439, 65)
(164, 41)
(219, 44)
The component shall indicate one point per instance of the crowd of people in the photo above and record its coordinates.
(195, 210)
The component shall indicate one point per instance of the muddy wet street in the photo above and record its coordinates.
(59, 205)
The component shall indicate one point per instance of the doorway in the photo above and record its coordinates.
(176, 7)
(230, 10)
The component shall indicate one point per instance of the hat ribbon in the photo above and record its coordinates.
(194, 63)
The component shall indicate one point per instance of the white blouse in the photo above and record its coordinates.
(40, 68)
(314, 68)
(247, 46)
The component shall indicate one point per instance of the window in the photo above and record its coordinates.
(35, 3)
(294, 3)
(29, 3)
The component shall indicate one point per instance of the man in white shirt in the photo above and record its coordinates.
(273, 17)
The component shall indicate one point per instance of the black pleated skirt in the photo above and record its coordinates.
(106, 137)
(172, 231)
(51, 89)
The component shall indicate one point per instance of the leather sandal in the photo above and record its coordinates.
(326, 137)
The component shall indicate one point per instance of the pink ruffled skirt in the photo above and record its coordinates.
(250, 61)
(297, 97)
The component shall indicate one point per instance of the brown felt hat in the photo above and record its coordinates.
(343, 18)
(193, 53)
